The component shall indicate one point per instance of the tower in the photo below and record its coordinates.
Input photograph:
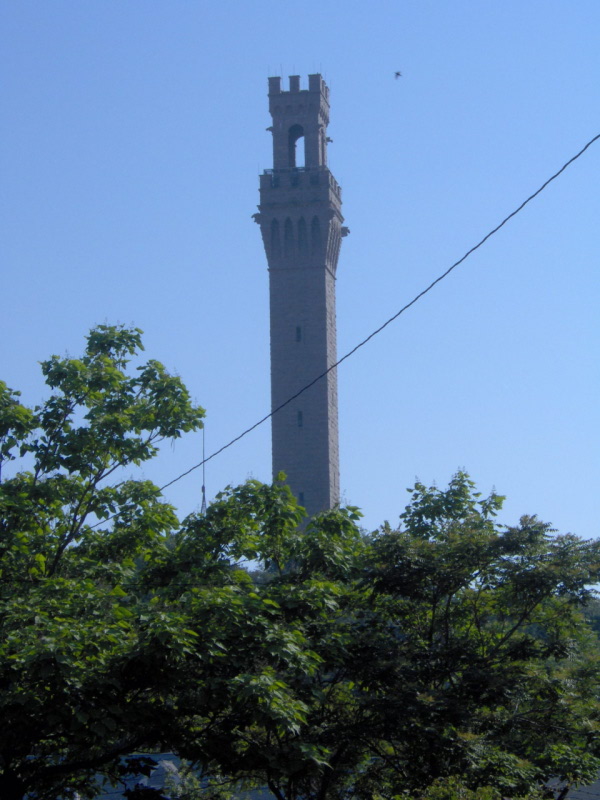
(301, 225)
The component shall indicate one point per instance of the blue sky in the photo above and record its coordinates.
(133, 136)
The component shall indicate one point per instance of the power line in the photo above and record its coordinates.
(404, 308)
(387, 322)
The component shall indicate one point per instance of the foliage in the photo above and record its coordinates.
(120, 629)
(446, 659)
(493, 664)
(448, 649)
(75, 646)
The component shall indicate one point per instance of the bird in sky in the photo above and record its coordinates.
(397, 75)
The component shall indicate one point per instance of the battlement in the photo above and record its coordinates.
(315, 84)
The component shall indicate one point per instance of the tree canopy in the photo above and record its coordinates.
(448, 650)
(447, 658)
(77, 688)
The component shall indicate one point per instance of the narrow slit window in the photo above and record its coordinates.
(298, 333)
(301, 498)
(300, 419)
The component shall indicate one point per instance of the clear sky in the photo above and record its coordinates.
(133, 133)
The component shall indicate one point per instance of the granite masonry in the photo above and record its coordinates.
(302, 227)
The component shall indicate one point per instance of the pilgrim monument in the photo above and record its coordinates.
(301, 225)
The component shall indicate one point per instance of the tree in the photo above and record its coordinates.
(106, 645)
(73, 694)
(453, 659)
(495, 671)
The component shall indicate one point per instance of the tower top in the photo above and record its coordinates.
(299, 113)
(315, 84)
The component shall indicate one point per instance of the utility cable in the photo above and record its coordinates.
(387, 322)
(404, 308)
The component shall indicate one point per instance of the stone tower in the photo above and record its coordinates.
(301, 225)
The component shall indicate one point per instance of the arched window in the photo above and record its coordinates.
(302, 237)
(288, 239)
(275, 240)
(315, 236)
(295, 159)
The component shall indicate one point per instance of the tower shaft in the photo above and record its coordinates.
(301, 225)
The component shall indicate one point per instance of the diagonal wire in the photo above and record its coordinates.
(389, 321)
(404, 308)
